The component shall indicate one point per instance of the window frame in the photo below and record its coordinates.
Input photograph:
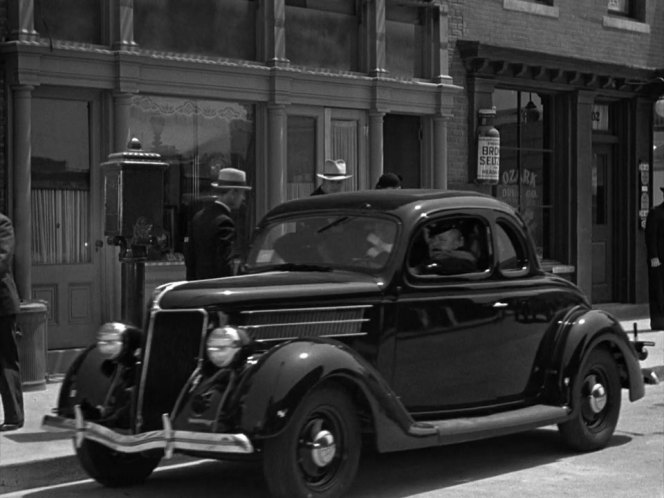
(417, 239)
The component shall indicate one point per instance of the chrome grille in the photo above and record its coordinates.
(283, 324)
(172, 350)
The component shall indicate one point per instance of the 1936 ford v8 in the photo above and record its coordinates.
(347, 329)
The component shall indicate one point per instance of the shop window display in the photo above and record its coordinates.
(525, 161)
(196, 138)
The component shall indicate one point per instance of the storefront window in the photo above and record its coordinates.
(301, 140)
(525, 161)
(224, 29)
(323, 134)
(196, 138)
(71, 20)
(658, 152)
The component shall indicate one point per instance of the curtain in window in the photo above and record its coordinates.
(60, 229)
(344, 146)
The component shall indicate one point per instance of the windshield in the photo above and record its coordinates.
(323, 243)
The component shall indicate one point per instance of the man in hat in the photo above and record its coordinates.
(655, 248)
(447, 252)
(209, 252)
(333, 176)
(388, 181)
(10, 373)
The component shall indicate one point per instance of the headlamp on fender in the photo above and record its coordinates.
(224, 343)
(114, 338)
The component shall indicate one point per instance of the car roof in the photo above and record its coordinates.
(393, 201)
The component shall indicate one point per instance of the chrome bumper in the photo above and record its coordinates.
(167, 439)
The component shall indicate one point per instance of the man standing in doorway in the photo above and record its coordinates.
(655, 248)
(333, 176)
(209, 252)
(10, 373)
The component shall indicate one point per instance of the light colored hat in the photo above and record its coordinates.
(231, 178)
(334, 169)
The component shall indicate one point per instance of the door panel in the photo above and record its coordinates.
(65, 218)
(602, 219)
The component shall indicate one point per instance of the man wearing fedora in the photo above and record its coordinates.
(333, 176)
(655, 248)
(10, 372)
(209, 252)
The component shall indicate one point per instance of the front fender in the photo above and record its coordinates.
(86, 382)
(286, 374)
(591, 329)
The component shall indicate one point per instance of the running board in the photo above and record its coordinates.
(460, 430)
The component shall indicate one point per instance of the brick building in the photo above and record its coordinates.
(276, 86)
(573, 84)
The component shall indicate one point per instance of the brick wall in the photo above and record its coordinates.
(578, 32)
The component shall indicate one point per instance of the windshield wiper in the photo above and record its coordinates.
(333, 224)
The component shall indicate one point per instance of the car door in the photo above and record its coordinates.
(472, 340)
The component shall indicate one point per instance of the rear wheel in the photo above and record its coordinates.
(596, 397)
(113, 469)
(317, 455)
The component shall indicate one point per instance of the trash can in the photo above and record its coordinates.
(31, 323)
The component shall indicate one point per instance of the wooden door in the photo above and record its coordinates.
(67, 232)
(602, 224)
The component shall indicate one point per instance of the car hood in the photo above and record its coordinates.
(278, 286)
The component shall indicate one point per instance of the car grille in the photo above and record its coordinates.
(284, 324)
(172, 349)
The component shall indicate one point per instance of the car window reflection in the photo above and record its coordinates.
(344, 242)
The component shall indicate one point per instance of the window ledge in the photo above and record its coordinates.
(625, 24)
(531, 8)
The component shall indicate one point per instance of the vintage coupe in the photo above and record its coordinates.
(344, 332)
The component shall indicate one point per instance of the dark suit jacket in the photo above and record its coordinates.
(655, 233)
(210, 250)
(9, 300)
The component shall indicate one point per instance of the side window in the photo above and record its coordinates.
(450, 246)
(511, 253)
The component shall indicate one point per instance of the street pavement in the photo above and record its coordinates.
(34, 451)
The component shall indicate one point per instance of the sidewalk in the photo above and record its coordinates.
(33, 451)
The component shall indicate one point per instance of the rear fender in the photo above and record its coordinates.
(587, 331)
(286, 374)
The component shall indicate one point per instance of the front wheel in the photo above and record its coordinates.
(113, 469)
(596, 398)
(318, 453)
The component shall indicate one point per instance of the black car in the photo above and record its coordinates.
(390, 320)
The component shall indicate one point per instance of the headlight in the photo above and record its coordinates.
(223, 344)
(110, 339)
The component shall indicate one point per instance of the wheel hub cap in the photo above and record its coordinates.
(323, 448)
(597, 398)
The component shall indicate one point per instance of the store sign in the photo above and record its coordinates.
(488, 158)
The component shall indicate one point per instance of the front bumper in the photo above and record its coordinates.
(167, 439)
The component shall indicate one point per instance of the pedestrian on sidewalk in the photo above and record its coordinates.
(333, 176)
(209, 252)
(10, 373)
(388, 181)
(655, 248)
